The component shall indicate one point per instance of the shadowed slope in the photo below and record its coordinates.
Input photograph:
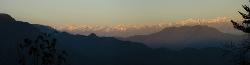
(185, 36)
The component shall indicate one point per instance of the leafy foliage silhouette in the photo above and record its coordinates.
(240, 51)
(41, 51)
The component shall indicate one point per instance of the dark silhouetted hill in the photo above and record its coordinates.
(95, 50)
(84, 50)
(198, 36)
(12, 32)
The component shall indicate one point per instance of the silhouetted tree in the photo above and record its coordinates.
(242, 48)
(41, 51)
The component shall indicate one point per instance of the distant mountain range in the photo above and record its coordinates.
(198, 36)
(95, 50)
(126, 30)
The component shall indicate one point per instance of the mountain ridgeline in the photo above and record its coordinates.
(95, 50)
(12, 32)
(90, 50)
(198, 36)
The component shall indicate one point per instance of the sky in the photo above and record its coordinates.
(112, 12)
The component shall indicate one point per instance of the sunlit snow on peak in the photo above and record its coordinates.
(125, 30)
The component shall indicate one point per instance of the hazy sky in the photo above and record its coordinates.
(110, 12)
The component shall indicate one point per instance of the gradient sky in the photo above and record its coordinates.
(110, 12)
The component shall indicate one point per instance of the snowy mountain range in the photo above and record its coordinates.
(126, 30)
